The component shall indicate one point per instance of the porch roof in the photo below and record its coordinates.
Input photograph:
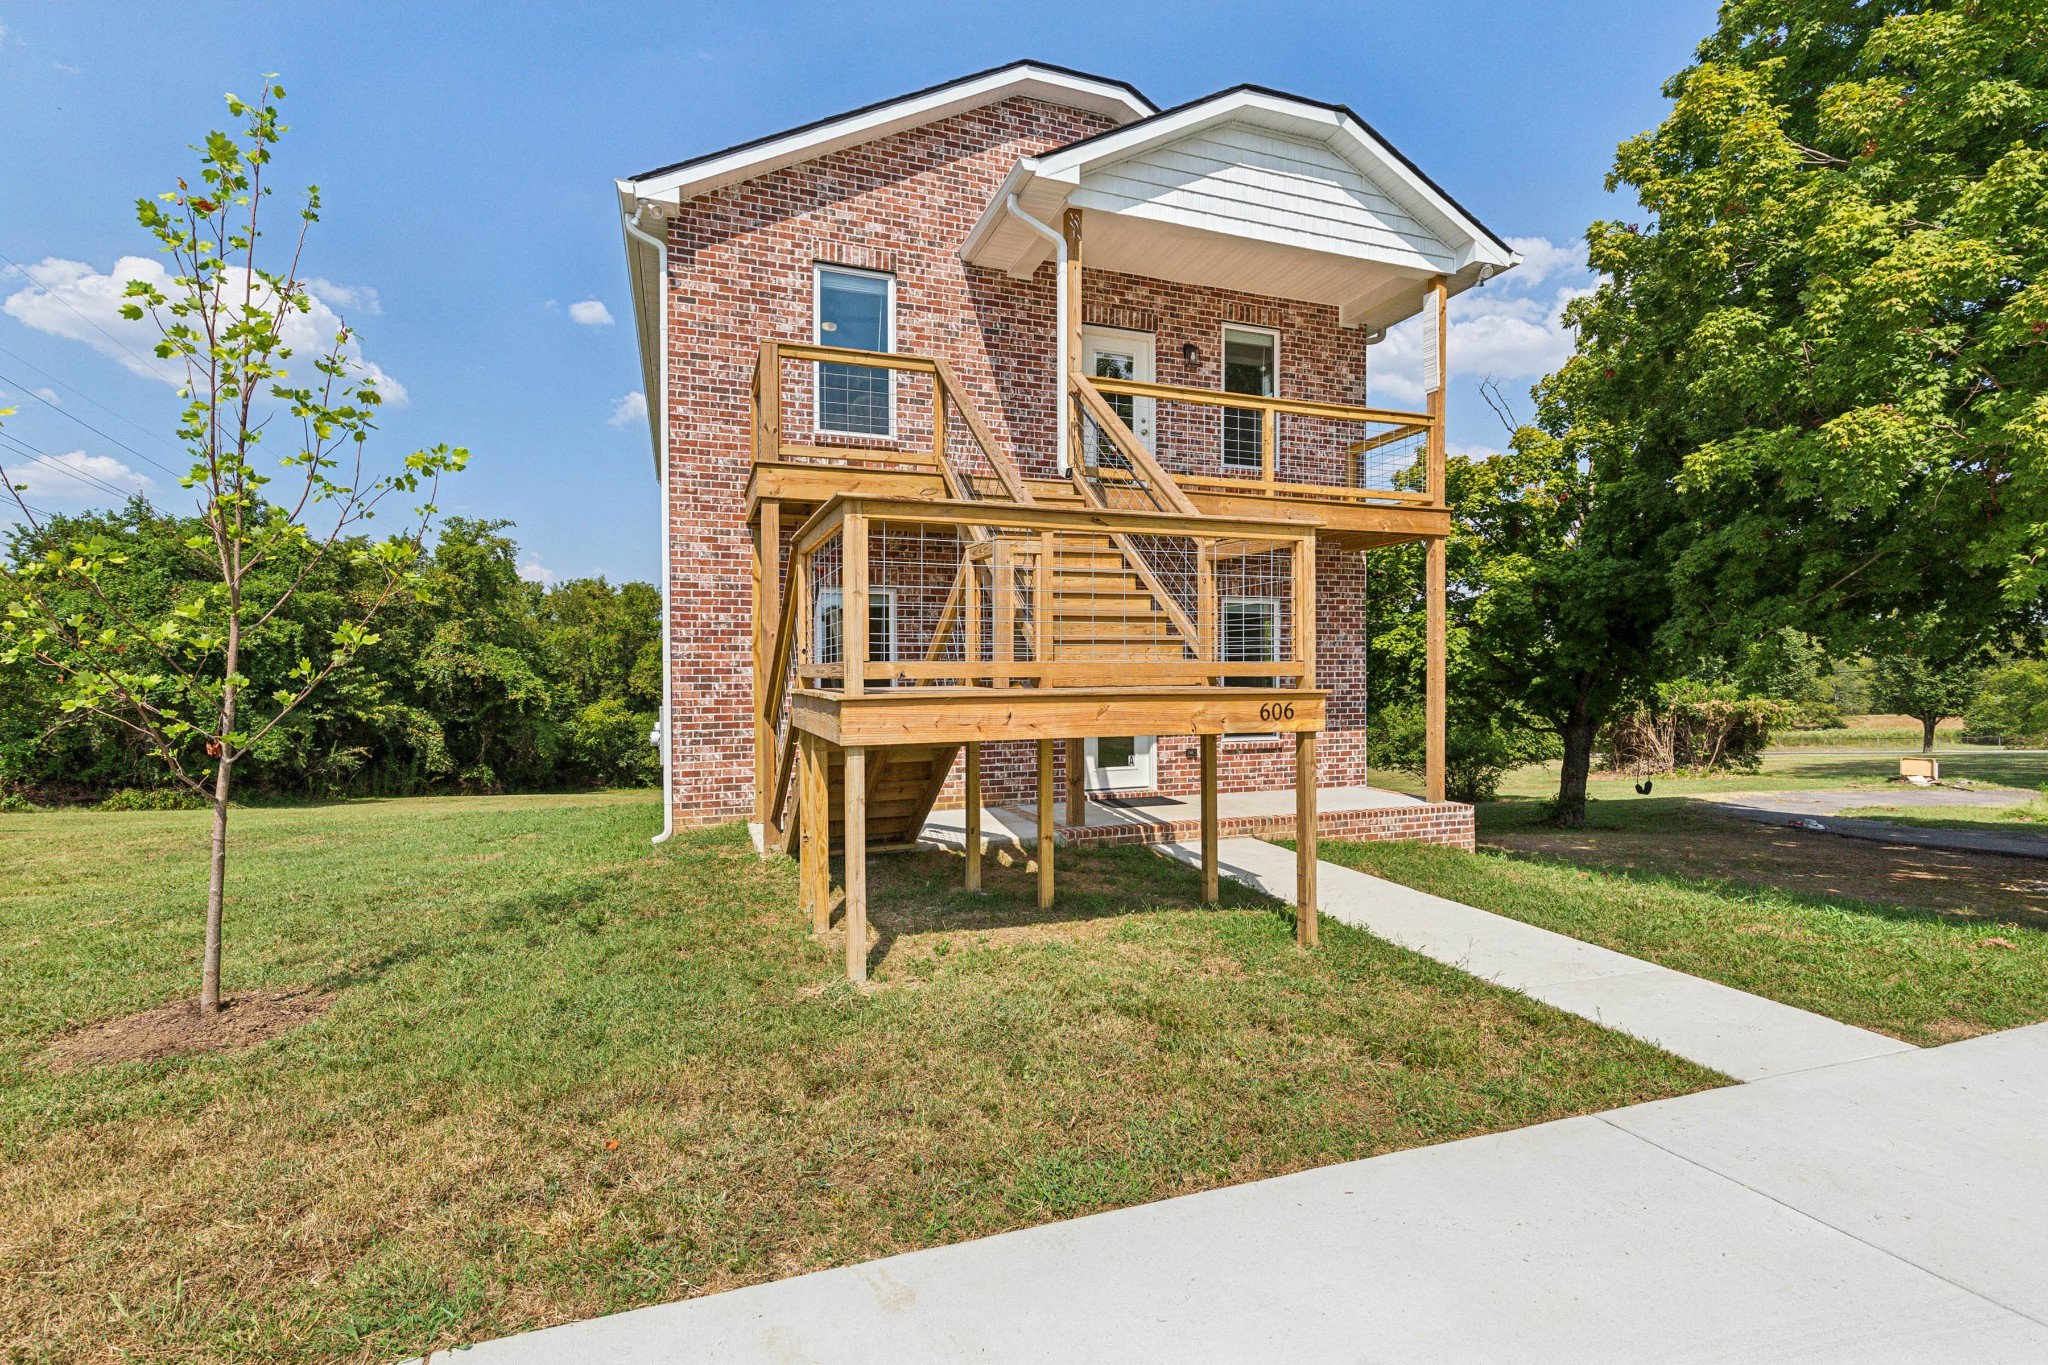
(1255, 190)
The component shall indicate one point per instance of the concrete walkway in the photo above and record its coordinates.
(1735, 1033)
(1776, 808)
(1891, 1209)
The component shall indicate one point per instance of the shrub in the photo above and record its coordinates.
(14, 803)
(2012, 703)
(1694, 727)
(1478, 751)
(159, 798)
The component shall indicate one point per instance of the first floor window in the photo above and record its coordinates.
(856, 311)
(828, 627)
(1251, 635)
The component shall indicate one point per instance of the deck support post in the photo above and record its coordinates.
(1077, 782)
(1070, 422)
(814, 850)
(973, 817)
(1045, 824)
(767, 620)
(1433, 688)
(856, 841)
(1306, 928)
(1211, 885)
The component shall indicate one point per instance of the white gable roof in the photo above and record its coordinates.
(1253, 190)
(702, 174)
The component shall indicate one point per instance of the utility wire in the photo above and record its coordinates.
(89, 426)
(87, 398)
(33, 284)
(51, 462)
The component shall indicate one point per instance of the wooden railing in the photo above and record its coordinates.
(1048, 597)
(1344, 468)
(769, 393)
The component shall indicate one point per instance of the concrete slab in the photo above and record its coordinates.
(1776, 808)
(1939, 1157)
(1735, 1033)
(1572, 1241)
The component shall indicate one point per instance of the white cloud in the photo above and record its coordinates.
(71, 299)
(590, 313)
(360, 297)
(74, 479)
(629, 409)
(1511, 328)
(49, 395)
(533, 571)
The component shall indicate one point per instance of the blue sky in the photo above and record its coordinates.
(466, 153)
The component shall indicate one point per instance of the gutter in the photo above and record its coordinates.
(657, 406)
(1059, 402)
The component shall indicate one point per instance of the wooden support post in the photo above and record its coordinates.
(1305, 609)
(768, 418)
(1070, 423)
(1433, 703)
(1306, 929)
(939, 422)
(767, 618)
(1003, 583)
(1077, 782)
(1269, 441)
(1208, 604)
(974, 817)
(1212, 890)
(1041, 602)
(853, 631)
(1434, 448)
(1045, 824)
(814, 809)
(856, 841)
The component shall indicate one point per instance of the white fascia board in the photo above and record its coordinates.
(997, 208)
(744, 163)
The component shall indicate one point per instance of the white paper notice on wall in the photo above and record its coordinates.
(1432, 377)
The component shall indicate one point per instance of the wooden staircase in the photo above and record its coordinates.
(1109, 610)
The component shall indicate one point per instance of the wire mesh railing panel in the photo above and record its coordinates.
(845, 411)
(822, 633)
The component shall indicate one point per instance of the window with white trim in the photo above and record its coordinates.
(856, 310)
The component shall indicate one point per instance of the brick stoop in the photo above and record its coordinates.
(1447, 822)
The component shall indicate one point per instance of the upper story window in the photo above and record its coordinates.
(1251, 364)
(857, 310)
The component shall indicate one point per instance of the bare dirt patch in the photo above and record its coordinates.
(1714, 847)
(178, 1029)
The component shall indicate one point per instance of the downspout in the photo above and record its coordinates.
(658, 405)
(1059, 402)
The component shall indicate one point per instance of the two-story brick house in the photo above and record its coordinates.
(1044, 288)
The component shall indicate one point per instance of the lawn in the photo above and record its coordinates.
(2026, 817)
(566, 1073)
(1925, 945)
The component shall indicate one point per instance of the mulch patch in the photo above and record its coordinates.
(179, 1029)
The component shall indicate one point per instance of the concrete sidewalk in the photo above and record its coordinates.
(1891, 1209)
(1735, 1033)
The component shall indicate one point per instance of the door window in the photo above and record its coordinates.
(856, 310)
(1250, 365)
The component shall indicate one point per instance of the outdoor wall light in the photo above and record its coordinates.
(1190, 352)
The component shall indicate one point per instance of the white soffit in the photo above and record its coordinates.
(1249, 190)
(701, 175)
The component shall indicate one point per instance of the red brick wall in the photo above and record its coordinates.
(740, 269)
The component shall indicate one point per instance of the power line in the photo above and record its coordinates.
(89, 426)
(51, 462)
(90, 401)
(75, 313)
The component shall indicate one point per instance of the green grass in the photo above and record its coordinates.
(1632, 881)
(1887, 739)
(1779, 772)
(568, 1073)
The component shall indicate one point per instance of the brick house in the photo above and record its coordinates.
(1042, 287)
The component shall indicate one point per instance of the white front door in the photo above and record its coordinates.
(1122, 764)
(1111, 353)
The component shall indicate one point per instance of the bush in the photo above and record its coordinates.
(14, 803)
(608, 740)
(159, 798)
(1478, 751)
(1694, 727)
(2012, 703)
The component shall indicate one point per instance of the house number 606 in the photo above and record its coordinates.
(1277, 710)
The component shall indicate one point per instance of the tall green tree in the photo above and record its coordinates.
(1809, 390)
(173, 670)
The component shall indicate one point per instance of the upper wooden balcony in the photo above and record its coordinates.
(1361, 476)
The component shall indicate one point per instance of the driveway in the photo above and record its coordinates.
(1776, 808)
